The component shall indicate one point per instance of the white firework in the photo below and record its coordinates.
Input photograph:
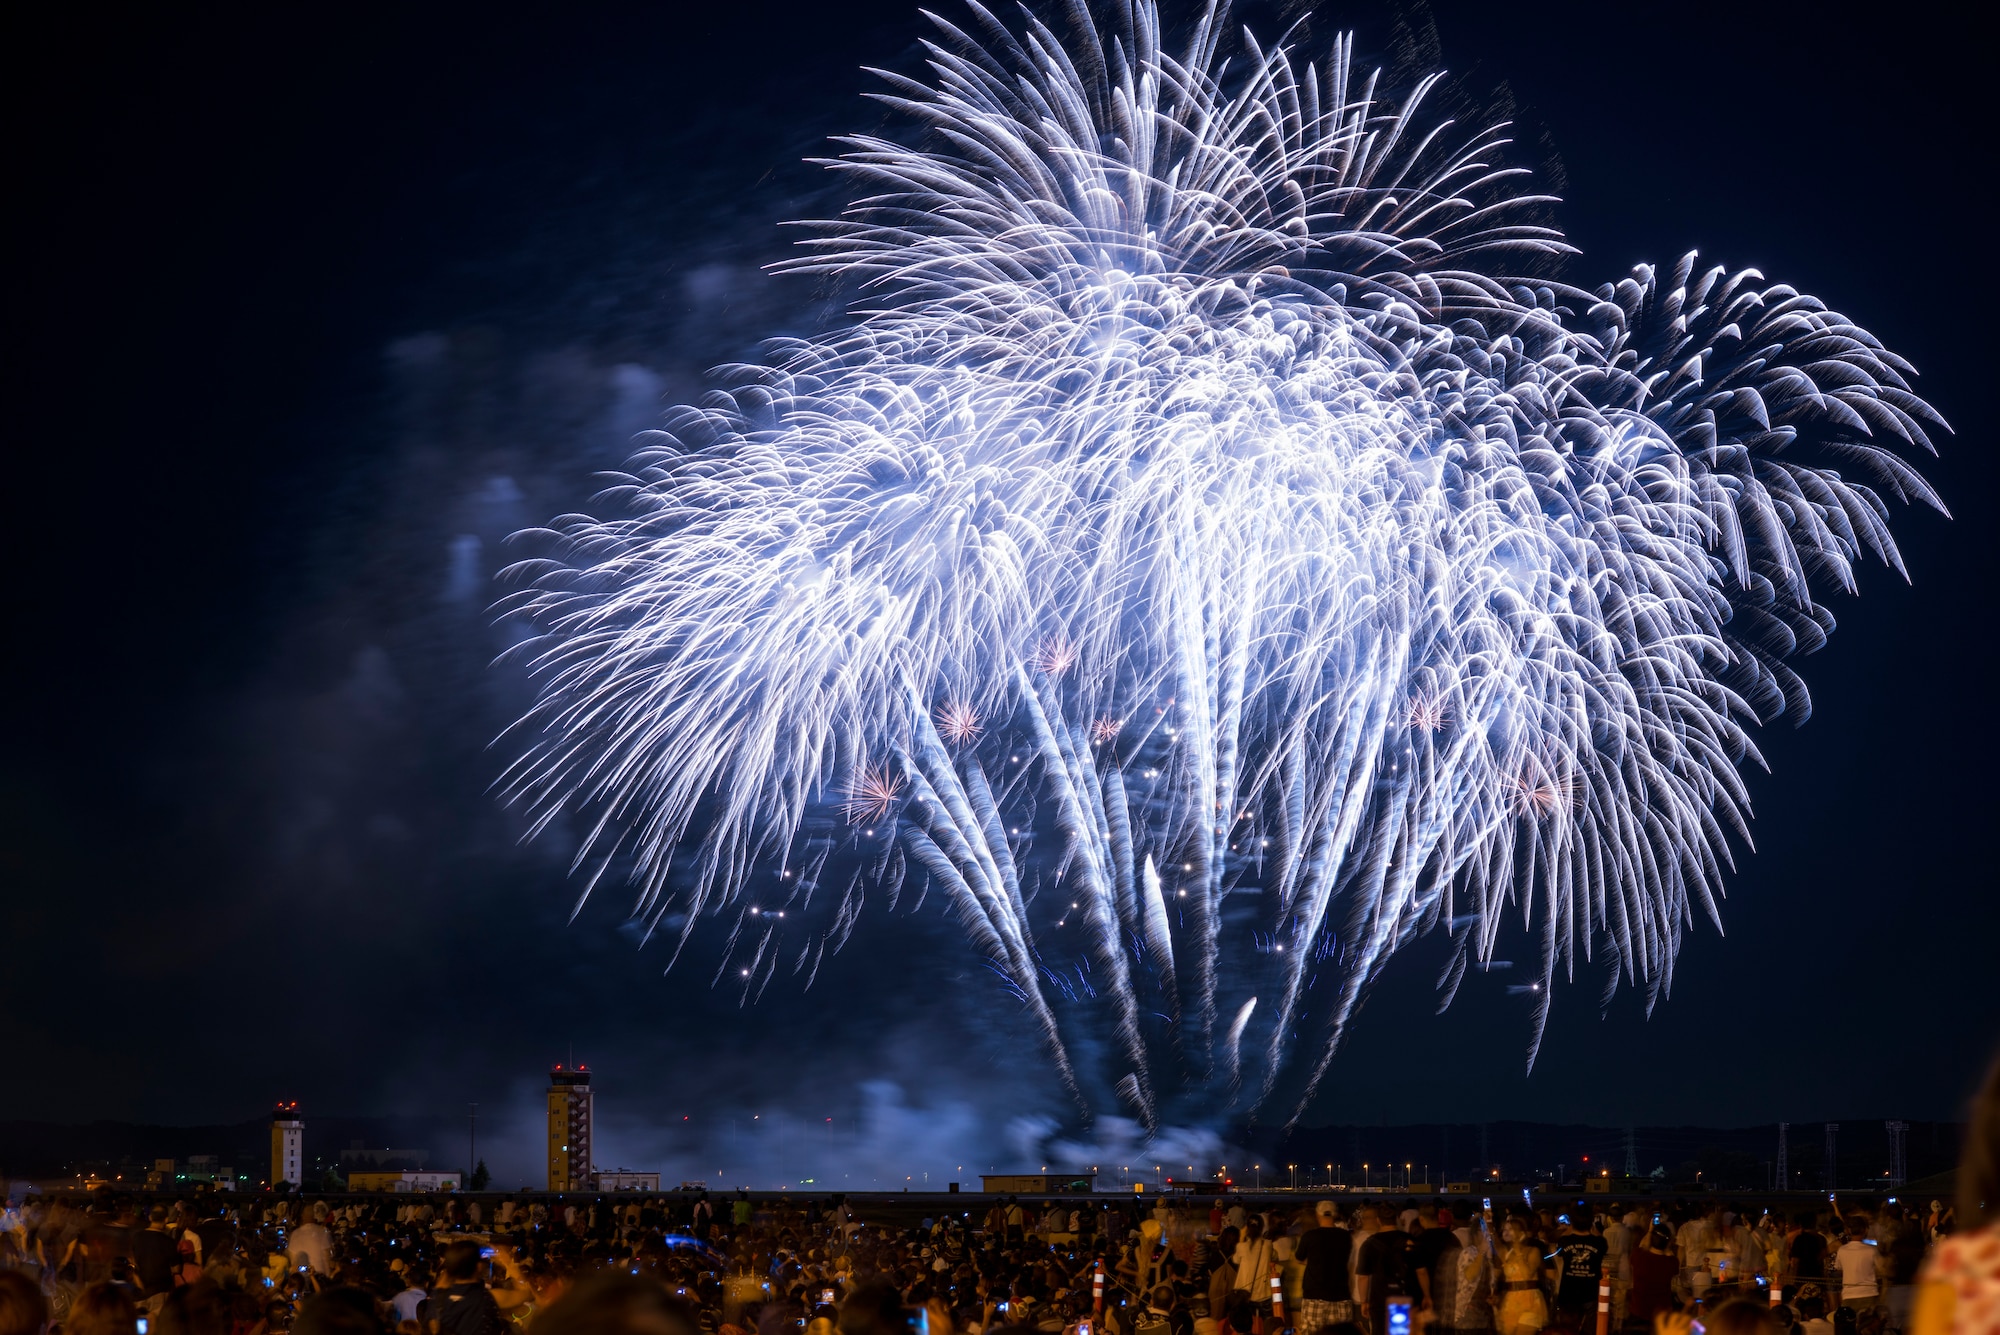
(1197, 445)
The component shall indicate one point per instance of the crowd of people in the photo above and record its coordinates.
(687, 1264)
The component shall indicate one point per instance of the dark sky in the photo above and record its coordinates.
(310, 307)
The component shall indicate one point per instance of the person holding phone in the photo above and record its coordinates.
(462, 1304)
(1523, 1307)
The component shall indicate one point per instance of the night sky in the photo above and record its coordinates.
(311, 307)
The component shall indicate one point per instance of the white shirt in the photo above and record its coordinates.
(312, 1244)
(1618, 1250)
(405, 1303)
(1857, 1270)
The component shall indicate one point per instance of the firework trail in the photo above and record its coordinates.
(1200, 527)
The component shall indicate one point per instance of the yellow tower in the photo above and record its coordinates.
(569, 1129)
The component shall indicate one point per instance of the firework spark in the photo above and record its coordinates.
(872, 793)
(1236, 392)
(1055, 657)
(959, 723)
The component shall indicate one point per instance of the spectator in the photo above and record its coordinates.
(463, 1304)
(1859, 1266)
(1523, 1308)
(154, 1258)
(1430, 1242)
(1960, 1287)
(1324, 1251)
(23, 1309)
(1579, 1264)
(615, 1304)
(1382, 1269)
(311, 1246)
(338, 1311)
(102, 1309)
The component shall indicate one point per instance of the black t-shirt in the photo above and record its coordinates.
(1385, 1259)
(1429, 1246)
(465, 1309)
(1809, 1256)
(1579, 1263)
(153, 1259)
(1324, 1252)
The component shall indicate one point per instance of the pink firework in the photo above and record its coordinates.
(959, 723)
(1106, 730)
(872, 793)
(1538, 793)
(1056, 656)
(1428, 711)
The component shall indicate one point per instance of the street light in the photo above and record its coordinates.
(1295, 1175)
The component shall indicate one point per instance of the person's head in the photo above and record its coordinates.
(1979, 1162)
(460, 1262)
(1428, 1212)
(1163, 1297)
(1371, 1216)
(1740, 1316)
(23, 1309)
(615, 1303)
(338, 1311)
(873, 1308)
(1856, 1226)
(157, 1216)
(102, 1309)
(1324, 1214)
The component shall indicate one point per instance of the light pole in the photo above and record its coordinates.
(1329, 1175)
(1295, 1175)
(1364, 1176)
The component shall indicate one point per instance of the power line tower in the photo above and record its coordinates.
(1832, 1131)
(1631, 1152)
(1897, 1165)
(1784, 1157)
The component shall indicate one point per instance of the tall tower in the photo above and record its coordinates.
(569, 1129)
(1898, 1167)
(288, 1135)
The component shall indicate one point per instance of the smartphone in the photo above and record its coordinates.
(142, 1326)
(485, 1253)
(1486, 1203)
(826, 1297)
(921, 1324)
(1083, 1326)
(1399, 1316)
(1002, 1306)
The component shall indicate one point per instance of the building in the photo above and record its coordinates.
(1038, 1184)
(390, 1180)
(288, 1145)
(624, 1179)
(569, 1129)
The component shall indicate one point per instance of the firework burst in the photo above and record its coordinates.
(959, 723)
(872, 793)
(1247, 392)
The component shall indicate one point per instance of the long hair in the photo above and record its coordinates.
(1979, 1162)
